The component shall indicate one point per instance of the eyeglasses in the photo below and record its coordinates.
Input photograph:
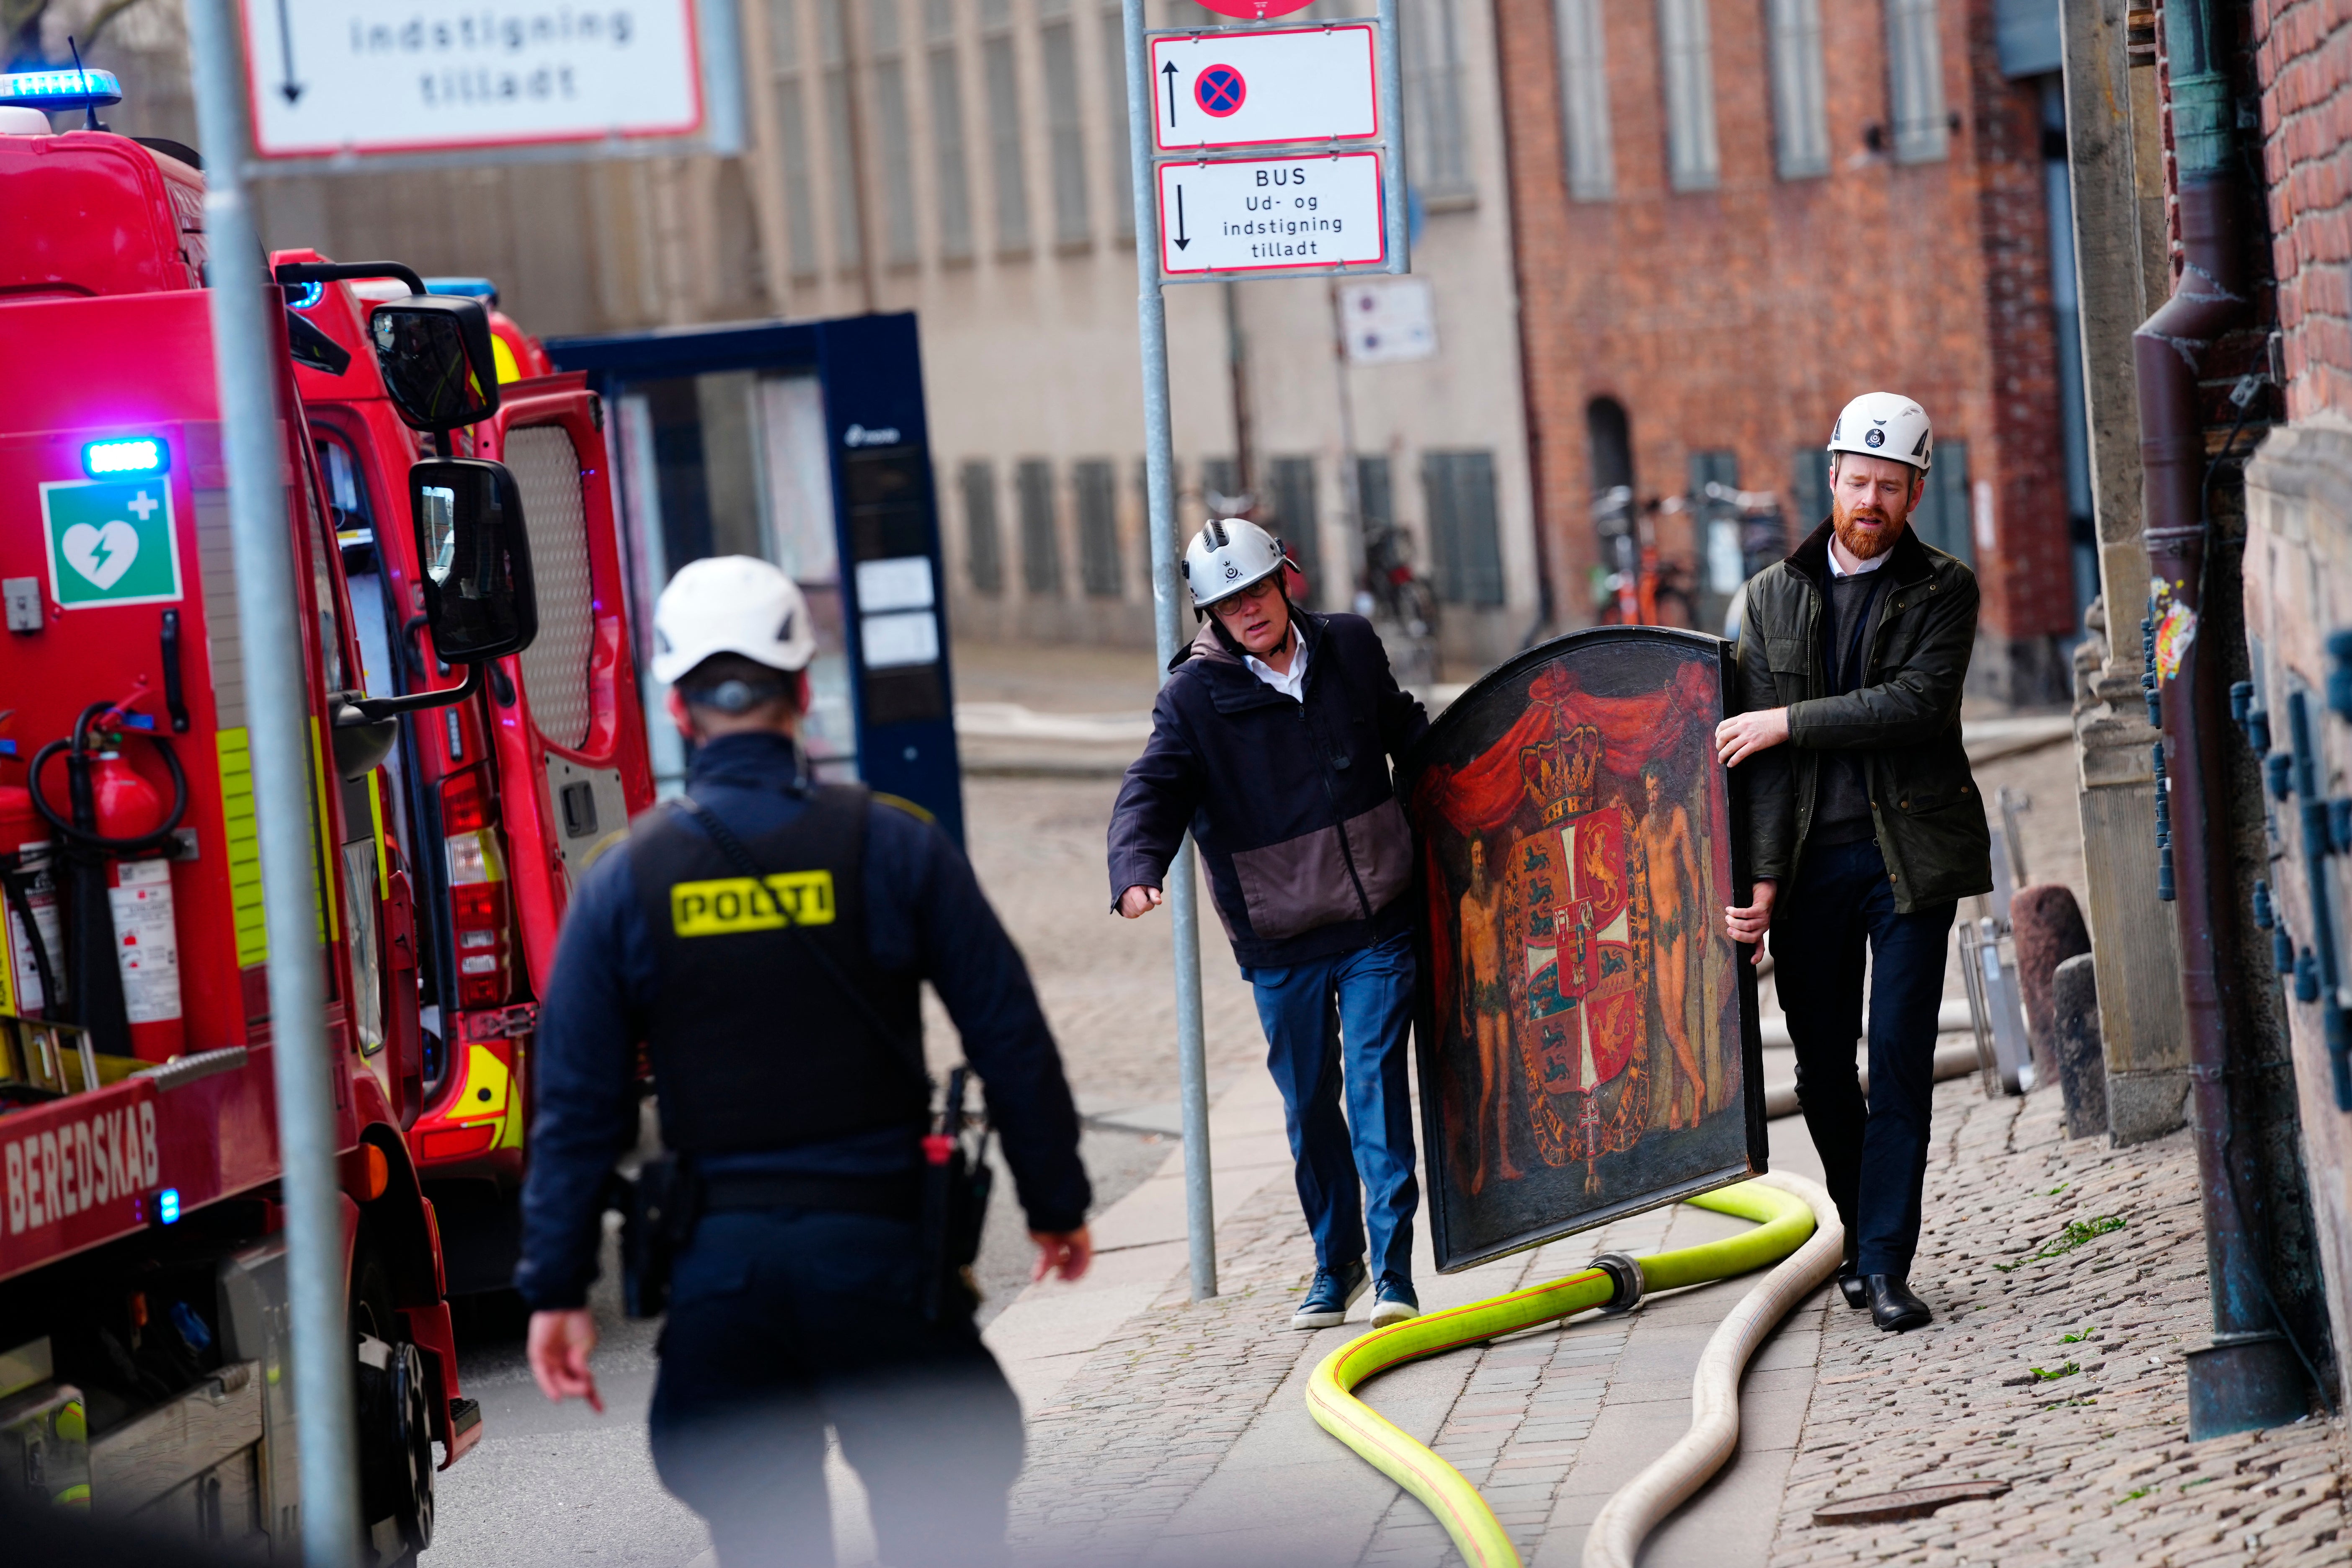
(1256, 592)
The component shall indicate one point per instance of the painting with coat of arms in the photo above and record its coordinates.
(1588, 1040)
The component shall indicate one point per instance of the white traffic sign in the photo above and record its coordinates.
(400, 76)
(1389, 323)
(1312, 213)
(1235, 89)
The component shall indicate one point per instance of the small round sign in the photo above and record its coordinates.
(1220, 91)
(1255, 10)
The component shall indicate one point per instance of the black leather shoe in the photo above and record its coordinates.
(1850, 1286)
(1893, 1307)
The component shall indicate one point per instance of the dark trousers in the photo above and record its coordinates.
(783, 1321)
(1876, 1156)
(1337, 1026)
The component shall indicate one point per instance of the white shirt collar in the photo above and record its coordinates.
(1873, 564)
(1294, 685)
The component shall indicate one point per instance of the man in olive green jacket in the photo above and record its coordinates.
(1864, 826)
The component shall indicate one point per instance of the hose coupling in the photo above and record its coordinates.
(1627, 1286)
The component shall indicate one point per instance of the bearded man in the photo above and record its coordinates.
(1866, 828)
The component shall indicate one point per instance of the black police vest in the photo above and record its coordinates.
(755, 1046)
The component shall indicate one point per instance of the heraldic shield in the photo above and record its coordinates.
(1588, 1043)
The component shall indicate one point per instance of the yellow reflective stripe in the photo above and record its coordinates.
(243, 848)
(376, 826)
(918, 813)
(322, 883)
(737, 903)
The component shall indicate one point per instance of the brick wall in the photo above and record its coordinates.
(2028, 582)
(2304, 58)
(1743, 318)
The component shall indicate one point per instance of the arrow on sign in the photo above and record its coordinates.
(1181, 241)
(290, 87)
(1168, 70)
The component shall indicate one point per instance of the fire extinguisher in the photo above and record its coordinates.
(120, 886)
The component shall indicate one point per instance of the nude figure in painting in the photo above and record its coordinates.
(1485, 1007)
(1667, 850)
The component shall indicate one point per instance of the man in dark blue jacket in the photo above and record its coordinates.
(1271, 742)
(784, 1029)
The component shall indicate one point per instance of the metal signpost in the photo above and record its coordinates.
(345, 78)
(1335, 205)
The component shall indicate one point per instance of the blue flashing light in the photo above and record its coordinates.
(167, 1205)
(127, 457)
(58, 91)
(480, 288)
(303, 296)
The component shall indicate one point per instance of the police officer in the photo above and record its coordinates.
(787, 1058)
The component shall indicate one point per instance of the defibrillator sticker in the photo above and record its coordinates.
(111, 542)
(737, 903)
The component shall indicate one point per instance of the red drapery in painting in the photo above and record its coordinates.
(1485, 793)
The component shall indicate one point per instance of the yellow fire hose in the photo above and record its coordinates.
(1786, 1220)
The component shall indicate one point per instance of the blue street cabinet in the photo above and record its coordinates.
(804, 442)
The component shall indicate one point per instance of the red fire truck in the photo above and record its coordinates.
(521, 783)
(142, 1290)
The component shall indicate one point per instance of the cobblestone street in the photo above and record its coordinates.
(1181, 1435)
(1183, 1439)
(2056, 1367)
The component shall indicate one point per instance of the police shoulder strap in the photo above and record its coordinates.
(910, 1052)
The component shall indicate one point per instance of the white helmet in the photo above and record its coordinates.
(1227, 555)
(1885, 425)
(731, 604)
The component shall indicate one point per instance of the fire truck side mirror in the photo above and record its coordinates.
(479, 603)
(439, 368)
(361, 743)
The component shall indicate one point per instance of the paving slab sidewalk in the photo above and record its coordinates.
(1167, 1432)
(1164, 1431)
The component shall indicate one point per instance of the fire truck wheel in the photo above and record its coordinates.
(395, 1431)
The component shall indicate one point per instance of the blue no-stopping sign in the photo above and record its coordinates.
(1219, 90)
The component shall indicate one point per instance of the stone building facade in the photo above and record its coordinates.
(1733, 217)
(2299, 560)
(2269, 388)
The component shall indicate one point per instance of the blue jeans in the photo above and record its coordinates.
(784, 1321)
(1874, 1156)
(1335, 1023)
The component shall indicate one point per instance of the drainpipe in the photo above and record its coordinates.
(2248, 1377)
